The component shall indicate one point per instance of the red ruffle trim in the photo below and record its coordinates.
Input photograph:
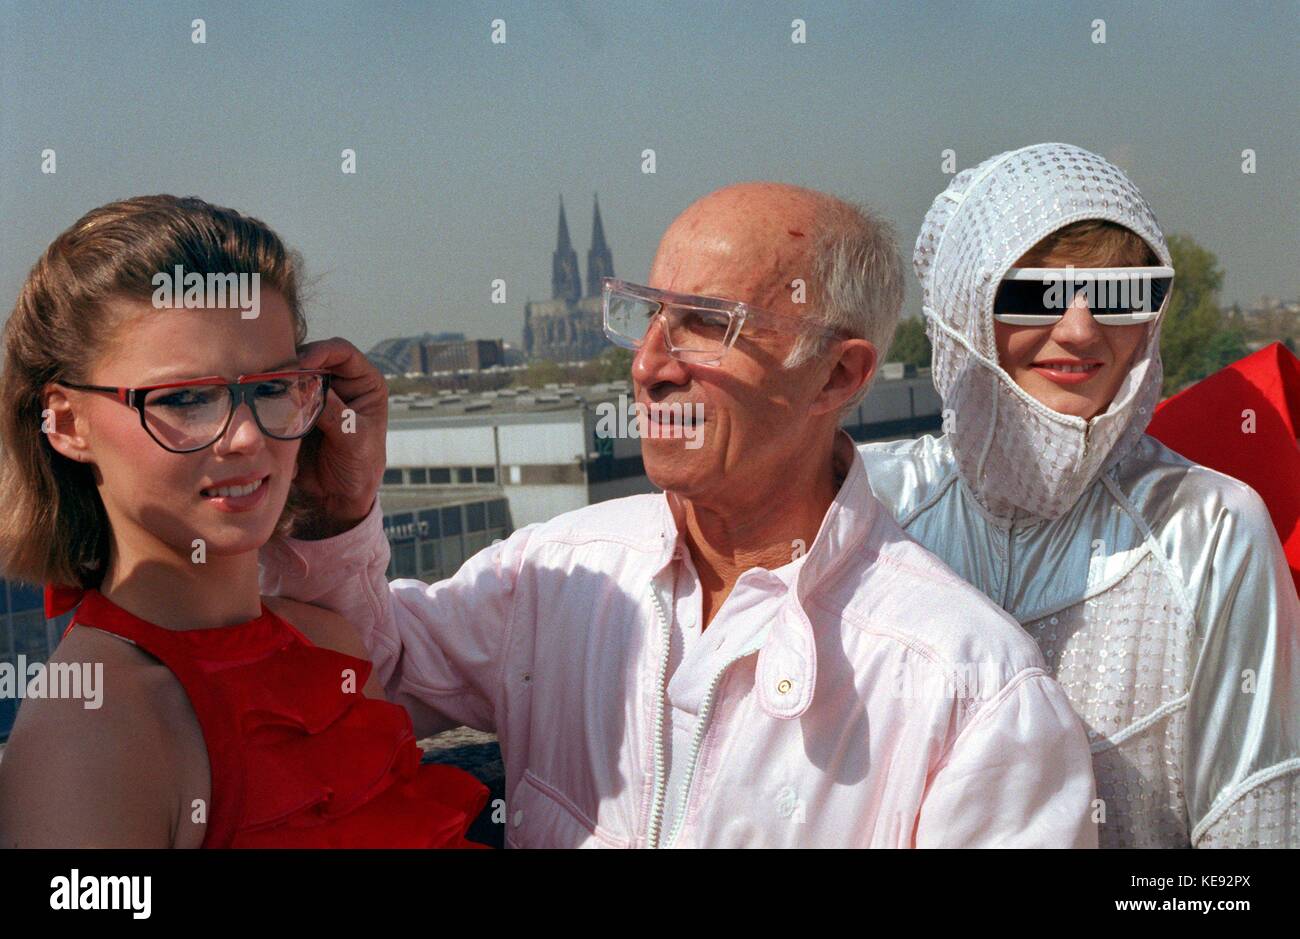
(326, 767)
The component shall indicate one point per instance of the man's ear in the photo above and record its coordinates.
(854, 366)
(60, 425)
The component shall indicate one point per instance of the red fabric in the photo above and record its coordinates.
(59, 599)
(1205, 424)
(296, 760)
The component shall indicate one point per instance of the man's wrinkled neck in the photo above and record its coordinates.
(767, 527)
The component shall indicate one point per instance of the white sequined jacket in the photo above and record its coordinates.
(1156, 588)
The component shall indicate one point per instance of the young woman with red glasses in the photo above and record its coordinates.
(147, 452)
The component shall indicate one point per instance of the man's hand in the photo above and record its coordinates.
(342, 461)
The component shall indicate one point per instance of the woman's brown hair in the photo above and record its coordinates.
(54, 527)
(1093, 242)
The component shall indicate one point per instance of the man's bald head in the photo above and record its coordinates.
(756, 241)
(760, 233)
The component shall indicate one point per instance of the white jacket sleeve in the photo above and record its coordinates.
(438, 650)
(1018, 776)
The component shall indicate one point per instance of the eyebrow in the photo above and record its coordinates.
(163, 379)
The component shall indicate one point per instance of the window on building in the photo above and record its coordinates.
(400, 526)
(475, 517)
(29, 637)
(464, 474)
(453, 555)
(497, 513)
(404, 559)
(485, 474)
(419, 476)
(439, 476)
(429, 524)
(25, 597)
(451, 520)
(429, 568)
(392, 477)
(476, 542)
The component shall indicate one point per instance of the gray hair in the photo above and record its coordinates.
(856, 278)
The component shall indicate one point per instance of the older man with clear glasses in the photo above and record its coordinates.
(677, 669)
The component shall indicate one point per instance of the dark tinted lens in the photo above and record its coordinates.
(1027, 298)
(1134, 295)
(1159, 290)
(1105, 296)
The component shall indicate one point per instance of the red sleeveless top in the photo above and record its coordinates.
(297, 760)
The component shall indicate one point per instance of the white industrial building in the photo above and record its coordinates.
(541, 447)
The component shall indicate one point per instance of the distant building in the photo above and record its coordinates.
(1271, 306)
(1271, 320)
(431, 533)
(472, 355)
(568, 327)
(430, 353)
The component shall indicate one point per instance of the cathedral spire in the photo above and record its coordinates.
(566, 282)
(600, 262)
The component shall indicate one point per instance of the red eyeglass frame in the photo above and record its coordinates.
(241, 392)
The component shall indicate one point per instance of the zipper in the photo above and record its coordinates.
(701, 727)
(1006, 574)
(661, 701)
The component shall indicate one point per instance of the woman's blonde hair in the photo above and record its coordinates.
(54, 527)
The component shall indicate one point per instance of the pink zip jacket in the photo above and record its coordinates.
(862, 696)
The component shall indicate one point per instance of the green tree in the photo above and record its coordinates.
(911, 346)
(1197, 338)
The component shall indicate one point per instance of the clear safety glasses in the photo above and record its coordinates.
(696, 329)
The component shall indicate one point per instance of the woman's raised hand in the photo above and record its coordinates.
(340, 467)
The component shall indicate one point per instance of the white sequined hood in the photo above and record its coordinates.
(1016, 454)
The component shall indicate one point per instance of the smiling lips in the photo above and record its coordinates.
(1067, 371)
(237, 495)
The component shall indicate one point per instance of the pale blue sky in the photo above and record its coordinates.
(464, 147)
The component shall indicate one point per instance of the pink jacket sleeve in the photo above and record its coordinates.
(438, 650)
(1018, 776)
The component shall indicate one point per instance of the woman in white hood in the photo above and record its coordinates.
(1156, 588)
